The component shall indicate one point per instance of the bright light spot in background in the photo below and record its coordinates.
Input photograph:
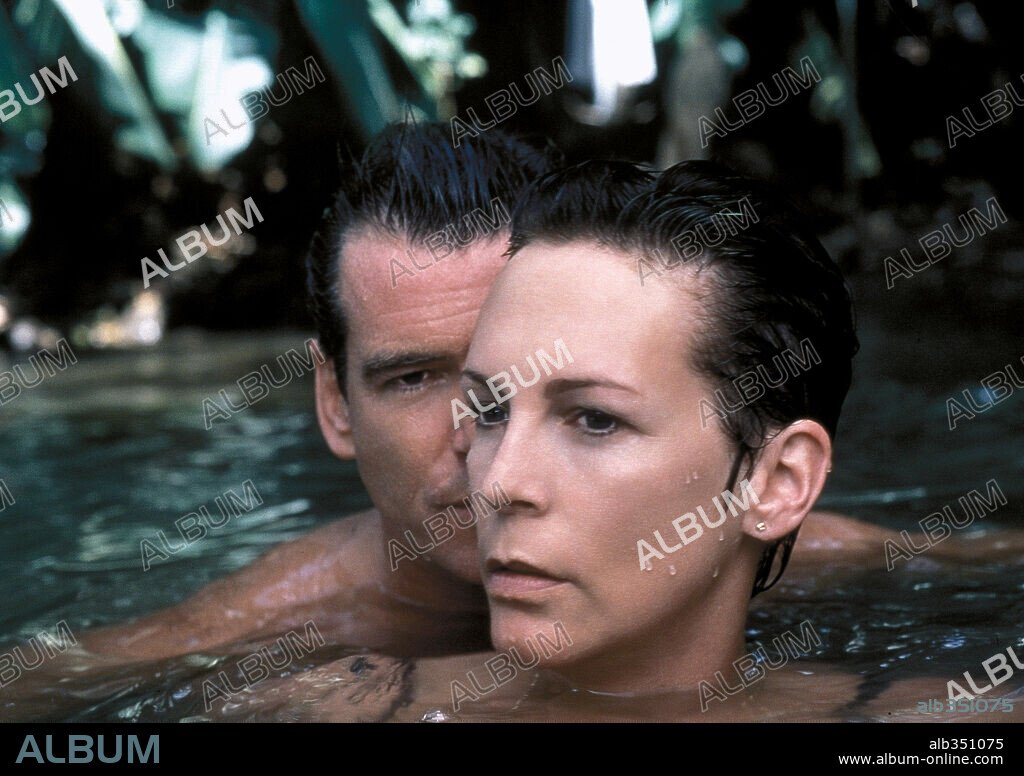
(617, 51)
(222, 80)
(15, 218)
(149, 332)
(623, 49)
(23, 335)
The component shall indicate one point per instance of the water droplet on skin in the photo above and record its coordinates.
(435, 716)
(647, 565)
(721, 536)
(715, 574)
(672, 570)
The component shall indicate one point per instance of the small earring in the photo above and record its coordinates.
(761, 527)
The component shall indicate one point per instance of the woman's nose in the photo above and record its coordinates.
(521, 466)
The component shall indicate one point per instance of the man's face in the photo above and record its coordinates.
(407, 340)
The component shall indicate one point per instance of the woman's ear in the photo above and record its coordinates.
(788, 477)
(332, 411)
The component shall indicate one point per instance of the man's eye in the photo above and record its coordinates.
(493, 416)
(410, 381)
(597, 423)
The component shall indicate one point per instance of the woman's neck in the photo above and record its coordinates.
(673, 655)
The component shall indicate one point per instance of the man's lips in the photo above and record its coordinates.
(514, 579)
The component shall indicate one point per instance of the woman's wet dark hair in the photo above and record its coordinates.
(774, 287)
(411, 181)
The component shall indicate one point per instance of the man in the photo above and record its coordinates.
(397, 276)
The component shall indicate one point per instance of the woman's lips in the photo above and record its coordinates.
(515, 579)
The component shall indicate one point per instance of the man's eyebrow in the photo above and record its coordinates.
(381, 363)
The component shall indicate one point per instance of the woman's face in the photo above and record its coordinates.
(594, 457)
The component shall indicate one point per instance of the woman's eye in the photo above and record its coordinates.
(596, 422)
(493, 416)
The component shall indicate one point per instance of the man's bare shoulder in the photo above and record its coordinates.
(270, 595)
(364, 687)
(336, 552)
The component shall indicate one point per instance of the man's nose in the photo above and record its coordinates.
(462, 437)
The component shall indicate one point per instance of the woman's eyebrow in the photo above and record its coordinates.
(565, 384)
(562, 384)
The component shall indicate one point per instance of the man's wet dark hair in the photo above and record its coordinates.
(774, 287)
(412, 182)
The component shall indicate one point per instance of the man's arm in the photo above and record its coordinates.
(827, 538)
(277, 592)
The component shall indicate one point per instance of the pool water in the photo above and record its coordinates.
(113, 450)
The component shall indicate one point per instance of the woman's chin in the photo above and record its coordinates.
(532, 637)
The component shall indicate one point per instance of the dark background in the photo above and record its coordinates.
(97, 208)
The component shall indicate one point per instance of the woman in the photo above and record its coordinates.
(629, 524)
